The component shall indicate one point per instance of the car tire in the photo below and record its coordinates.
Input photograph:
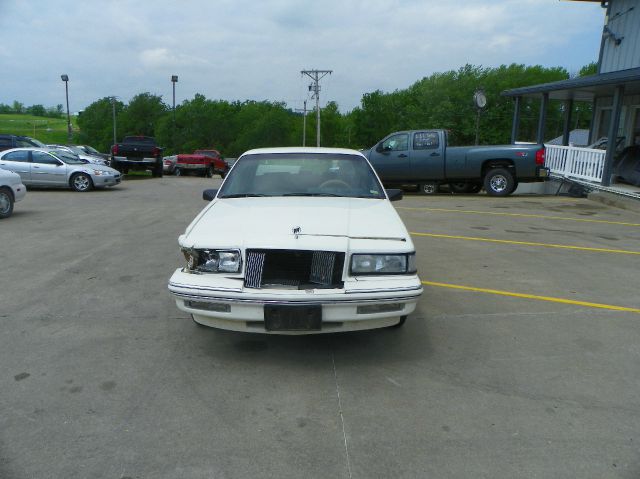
(6, 202)
(223, 173)
(400, 323)
(177, 172)
(81, 182)
(429, 188)
(209, 172)
(499, 182)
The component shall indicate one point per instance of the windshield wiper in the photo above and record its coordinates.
(315, 194)
(244, 195)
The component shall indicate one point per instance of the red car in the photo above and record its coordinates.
(203, 162)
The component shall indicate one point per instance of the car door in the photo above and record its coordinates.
(47, 170)
(18, 162)
(391, 158)
(427, 156)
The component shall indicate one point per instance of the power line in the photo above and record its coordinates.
(316, 76)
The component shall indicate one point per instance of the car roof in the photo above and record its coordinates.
(303, 149)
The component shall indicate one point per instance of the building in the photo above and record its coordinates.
(614, 93)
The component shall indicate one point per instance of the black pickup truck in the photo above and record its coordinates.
(422, 157)
(137, 153)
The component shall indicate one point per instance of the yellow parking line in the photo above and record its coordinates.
(522, 215)
(532, 296)
(529, 243)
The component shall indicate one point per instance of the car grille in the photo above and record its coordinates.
(293, 269)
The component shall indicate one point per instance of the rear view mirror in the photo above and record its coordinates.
(209, 194)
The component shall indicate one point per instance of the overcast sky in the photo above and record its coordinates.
(255, 50)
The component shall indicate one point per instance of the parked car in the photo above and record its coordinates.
(89, 150)
(202, 162)
(298, 241)
(80, 153)
(11, 190)
(18, 141)
(169, 164)
(49, 167)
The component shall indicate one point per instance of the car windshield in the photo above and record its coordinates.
(302, 174)
(68, 158)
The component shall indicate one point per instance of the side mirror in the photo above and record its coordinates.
(394, 194)
(379, 147)
(209, 195)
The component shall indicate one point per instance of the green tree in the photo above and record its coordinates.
(141, 115)
(96, 123)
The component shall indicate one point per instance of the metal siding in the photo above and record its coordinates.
(627, 54)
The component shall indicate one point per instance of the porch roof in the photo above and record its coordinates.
(583, 88)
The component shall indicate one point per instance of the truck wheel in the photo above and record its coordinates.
(177, 172)
(460, 187)
(209, 172)
(223, 173)
(430, 188)
(499, 182)
(6, 202)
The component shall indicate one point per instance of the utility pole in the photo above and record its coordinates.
(304, 123)
(316, 76)
(113, 111)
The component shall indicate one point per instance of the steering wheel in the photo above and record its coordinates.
(335, 184)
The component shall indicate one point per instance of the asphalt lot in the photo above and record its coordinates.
(516, 363)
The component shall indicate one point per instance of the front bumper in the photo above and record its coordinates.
(100, 181)
(364, 303)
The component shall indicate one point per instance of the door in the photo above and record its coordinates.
(46, 170)
(391, 159)
(427, 156)
(18, 162)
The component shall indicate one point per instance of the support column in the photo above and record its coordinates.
(542, 119)
(568, 111)
(515, 125)
(613, 135)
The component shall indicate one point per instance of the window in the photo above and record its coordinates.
(44, 158)
(424, 140)
(396, 143)
(21, 156)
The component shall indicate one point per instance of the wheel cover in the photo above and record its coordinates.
(81, 182)
(428, 188)
(5, 202)
(498, 183)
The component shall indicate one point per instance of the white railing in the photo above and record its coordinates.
(573, 162)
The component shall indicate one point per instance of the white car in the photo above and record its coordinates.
(298, 241)
(57, 168)
(11, 190)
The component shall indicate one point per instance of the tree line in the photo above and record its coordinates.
(441, 100)
(36, 110)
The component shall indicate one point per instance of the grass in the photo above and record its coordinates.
(47, 130)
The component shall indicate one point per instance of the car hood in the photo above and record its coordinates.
(316, 222)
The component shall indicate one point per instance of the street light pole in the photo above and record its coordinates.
(113, 110)
(174, 80)
(65, 79)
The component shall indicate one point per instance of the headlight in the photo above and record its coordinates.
(213, 261)
(101, 172)
(383, 263)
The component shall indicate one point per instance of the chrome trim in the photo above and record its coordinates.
(192, 297)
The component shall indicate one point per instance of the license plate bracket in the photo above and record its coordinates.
(278, 317)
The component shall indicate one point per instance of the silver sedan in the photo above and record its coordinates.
(47, 167)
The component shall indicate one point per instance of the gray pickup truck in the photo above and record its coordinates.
(422, 157)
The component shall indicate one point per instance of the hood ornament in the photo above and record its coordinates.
(296, 231)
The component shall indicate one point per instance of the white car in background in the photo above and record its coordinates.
(82, 154)
(11, 190)
(298, 241)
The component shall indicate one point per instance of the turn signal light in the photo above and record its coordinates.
(540, 157)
